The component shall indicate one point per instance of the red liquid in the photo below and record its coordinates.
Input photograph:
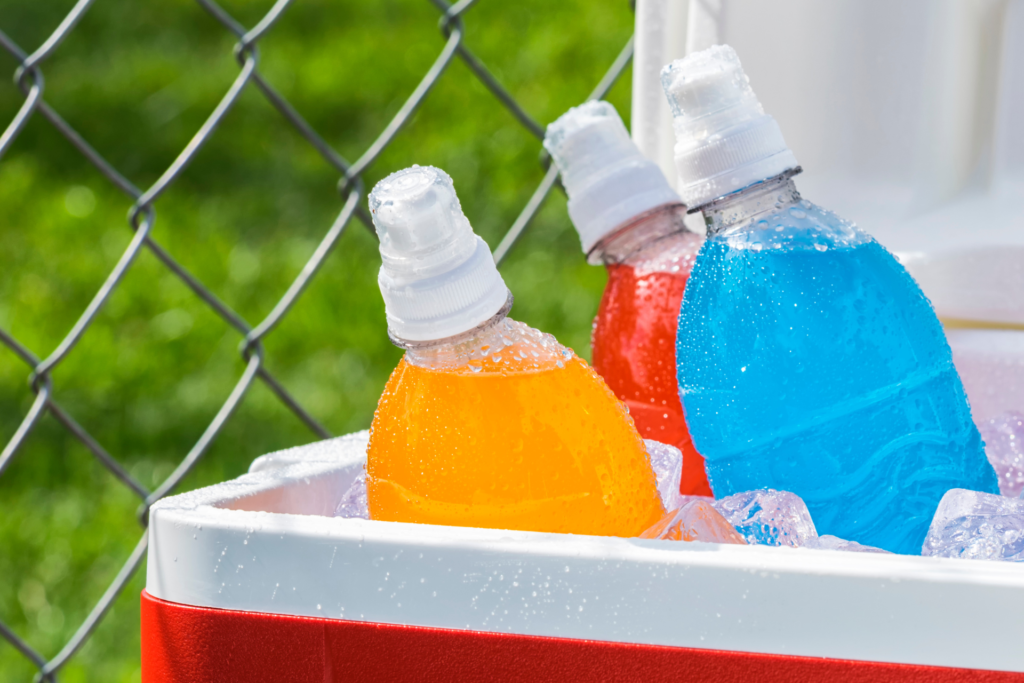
(634, 344)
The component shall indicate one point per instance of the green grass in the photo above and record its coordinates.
(137, 79)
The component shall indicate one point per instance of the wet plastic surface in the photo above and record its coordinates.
(267, 542)
(634, 350)
(524, 435)
(811, 362)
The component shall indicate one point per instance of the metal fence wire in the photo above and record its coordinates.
(141, 218)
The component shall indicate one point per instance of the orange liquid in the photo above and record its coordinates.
(509, 446)
(634, 344)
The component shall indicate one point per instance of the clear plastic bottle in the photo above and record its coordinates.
(486, 422)
(809, 360)
(630, 220)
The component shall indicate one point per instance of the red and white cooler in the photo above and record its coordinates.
(254, 580)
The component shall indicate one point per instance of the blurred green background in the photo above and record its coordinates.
(137, 79)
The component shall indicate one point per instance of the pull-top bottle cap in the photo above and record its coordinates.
(606, 177)
(724, 140)
(437, 277)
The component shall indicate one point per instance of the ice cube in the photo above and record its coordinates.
(695, 520)
(667, 463)
(828, 542)
(768, 517)
(1004, 446)
(353, 502)
(978, 526)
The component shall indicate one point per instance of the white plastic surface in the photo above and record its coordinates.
(341, 448)
(437, 277)
(906, 118)
(991, 366)
(262, 543)
(659, 38)
(724, 139)
(608, 180)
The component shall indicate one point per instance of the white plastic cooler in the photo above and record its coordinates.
(254, 580)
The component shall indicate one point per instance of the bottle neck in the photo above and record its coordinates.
(742, 206)
(498, 345)
(638, 233)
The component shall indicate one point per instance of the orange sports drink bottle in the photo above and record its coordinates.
(631, 220)
(487, 422)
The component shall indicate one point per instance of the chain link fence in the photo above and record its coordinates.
(142, 217)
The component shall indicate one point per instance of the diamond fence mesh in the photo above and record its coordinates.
(29, 78)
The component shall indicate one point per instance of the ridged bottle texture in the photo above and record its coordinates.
(810, 361)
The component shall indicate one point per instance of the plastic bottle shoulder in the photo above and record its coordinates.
(656, 241)
(798, 226)
(499, 347)
(673, 253)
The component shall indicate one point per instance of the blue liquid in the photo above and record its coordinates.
(810, 361)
